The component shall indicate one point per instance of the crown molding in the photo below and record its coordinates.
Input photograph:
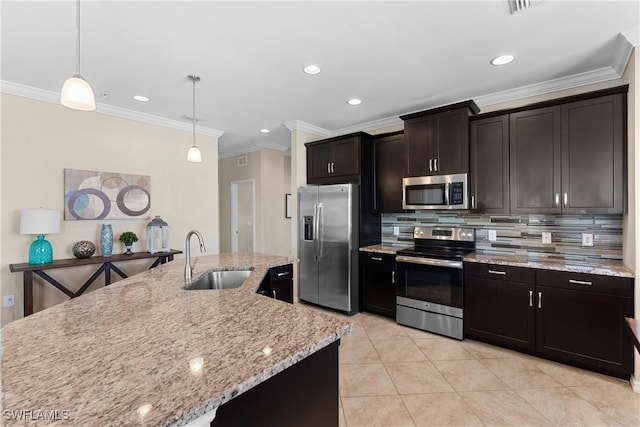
(270, 145)
(633, 36)
(621, 53)
(25, 91)
(256, 146)
(372, 125)
(307, 127)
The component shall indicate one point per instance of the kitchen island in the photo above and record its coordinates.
(143, 351)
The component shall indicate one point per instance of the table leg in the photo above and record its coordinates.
(107, 273)
(27, 284)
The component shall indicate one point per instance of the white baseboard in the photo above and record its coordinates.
(635, 384)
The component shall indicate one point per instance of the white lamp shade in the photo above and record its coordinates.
(194, 155)
(39, 221)
(77, 94)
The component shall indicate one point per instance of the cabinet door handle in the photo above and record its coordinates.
(530, 298)
(435, 165)
(557, 201)
(539, 299)
(274, 294)
(393, 277)
(285, 273)
(580, 282)
(430, 165)
(375, 258)
(328, 167)
(473, 202)
(501, 273)
(333, 167)
(565, 199)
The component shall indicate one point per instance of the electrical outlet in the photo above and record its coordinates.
(546, 238)
(587, 239)
(9, 300)
(493, 235)
(396, 231)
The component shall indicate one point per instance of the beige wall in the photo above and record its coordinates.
(268, 169)
(40, 139)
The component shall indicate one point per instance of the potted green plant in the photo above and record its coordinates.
(128, 238)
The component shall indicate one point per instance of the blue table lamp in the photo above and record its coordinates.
(40, 222)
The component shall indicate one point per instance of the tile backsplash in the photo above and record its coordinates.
(520, 234)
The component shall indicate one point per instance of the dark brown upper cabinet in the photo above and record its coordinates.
(337, 160)
(437, 140)
(569, 158)
(489, 165)
(388, 151)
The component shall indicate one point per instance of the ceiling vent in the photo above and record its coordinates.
(519, 5)
(243, 161)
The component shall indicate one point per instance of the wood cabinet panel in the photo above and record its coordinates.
(489, 165)
(419, 146)
(339, 160)
(377, 279)
(388, 160)
(319, 158)
(346, 157)
(452, 136)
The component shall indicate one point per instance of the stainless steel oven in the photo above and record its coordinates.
(435, 192)
(430, 280)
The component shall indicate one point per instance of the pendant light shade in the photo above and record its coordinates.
(76, 92)
(194, 155)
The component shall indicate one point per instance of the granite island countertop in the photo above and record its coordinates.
(143, 351)
(602, 267)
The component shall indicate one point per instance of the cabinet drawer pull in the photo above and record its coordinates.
(375, 258)
(286, 273)
(580, 282)
(530, 298)
(501, 273)
(539, 299)
(430, 165)
(557, 201)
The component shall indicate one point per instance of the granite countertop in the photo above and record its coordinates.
(143, 351)
(384, 249)
(603, 267)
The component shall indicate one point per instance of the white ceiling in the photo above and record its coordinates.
(398, 57)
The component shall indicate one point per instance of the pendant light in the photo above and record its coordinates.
(194, 154)
(76, 92)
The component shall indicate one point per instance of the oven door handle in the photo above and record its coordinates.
(430, 261)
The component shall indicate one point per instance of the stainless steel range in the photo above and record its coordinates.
(430, 280)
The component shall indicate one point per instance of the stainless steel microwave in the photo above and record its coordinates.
(435, 192)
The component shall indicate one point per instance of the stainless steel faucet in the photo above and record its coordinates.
(188, 269)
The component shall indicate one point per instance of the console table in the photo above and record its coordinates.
(106, 266)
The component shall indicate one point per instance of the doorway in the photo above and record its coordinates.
(243, 215)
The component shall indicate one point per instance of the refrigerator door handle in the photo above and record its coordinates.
(319, 232)
(315, 231)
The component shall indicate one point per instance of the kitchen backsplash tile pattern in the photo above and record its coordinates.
(520, 234)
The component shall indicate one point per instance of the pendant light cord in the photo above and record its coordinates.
(77, 37)
(194, 109)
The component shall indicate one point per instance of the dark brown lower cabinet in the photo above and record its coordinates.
(572, 318)
(377, 279)
(278, 283)
(498, 305)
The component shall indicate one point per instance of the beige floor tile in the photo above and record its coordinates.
(385, 331)
(481, 350)
(358, 352)
(440, 409)
(341, 420)
(468, 375)
(358, 333)
(399, 351)
(369, 319)
(370, 379)
(443, 349)
(616, 400)
(379, 411)
(417, 377)
(419, 334)
(503, 408)
(520, 373)
(563, 407)
(570, 376)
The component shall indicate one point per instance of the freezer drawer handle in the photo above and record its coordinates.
(500, 273)
(580, 282)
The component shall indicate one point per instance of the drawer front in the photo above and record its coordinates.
(500, 272)
(611, 285)
(281, 273)
(378, 258)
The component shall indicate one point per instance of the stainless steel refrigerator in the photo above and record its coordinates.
(328, 243)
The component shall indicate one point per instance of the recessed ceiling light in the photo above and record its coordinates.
(141, 98)
(502, 60)
(265, 130)
(354, 101)
(311, 69)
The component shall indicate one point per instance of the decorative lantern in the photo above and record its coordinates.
(157, 238)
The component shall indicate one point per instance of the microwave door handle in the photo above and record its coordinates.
(447, 188)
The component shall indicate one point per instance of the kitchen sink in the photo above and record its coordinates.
(227, 279)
